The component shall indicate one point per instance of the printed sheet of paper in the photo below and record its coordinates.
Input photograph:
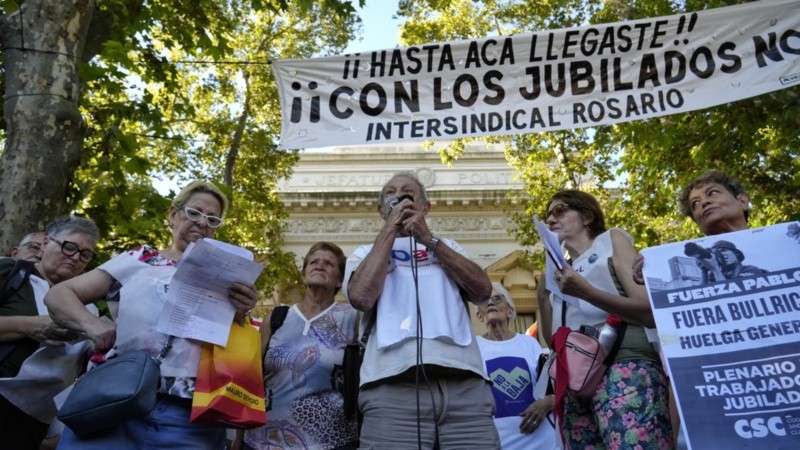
(727, 309)
(197, 304)
(554, 260)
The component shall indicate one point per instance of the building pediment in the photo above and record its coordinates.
(333, 196)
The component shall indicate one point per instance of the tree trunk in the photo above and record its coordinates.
(43, 44)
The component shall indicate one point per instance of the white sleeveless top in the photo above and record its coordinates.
(593, 266)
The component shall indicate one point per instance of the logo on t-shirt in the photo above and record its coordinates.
(511, 384)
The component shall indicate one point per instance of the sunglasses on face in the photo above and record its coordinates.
(557, 211)
(70, 249)
(195, 215)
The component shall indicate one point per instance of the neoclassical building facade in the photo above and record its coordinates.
(333, 196)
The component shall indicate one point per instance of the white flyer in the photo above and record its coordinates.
(554, 261)
(197, 304)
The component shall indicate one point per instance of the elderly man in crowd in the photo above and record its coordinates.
(523, 421)
(30, 248)
(26, 402)
(422, 379)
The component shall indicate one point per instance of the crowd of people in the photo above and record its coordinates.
(425, 380)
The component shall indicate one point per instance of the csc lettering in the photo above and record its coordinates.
(403, 255)
(759, 427)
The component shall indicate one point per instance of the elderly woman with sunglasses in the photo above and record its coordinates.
(511, 359)
(630, 406)
(139, 279)
(29, 340)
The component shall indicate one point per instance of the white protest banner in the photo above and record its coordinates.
(551, 80)
(727, 309)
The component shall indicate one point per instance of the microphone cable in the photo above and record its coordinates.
(420, 367)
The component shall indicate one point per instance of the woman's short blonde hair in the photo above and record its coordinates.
(200, 186)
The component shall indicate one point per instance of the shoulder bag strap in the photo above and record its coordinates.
(370, 325)
(17, 277)
(617, 343)
(356, 323)
(276, 320)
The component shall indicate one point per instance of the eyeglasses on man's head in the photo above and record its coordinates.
(33, 247)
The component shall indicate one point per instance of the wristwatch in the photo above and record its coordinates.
(431, 247)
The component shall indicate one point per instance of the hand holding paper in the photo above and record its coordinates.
(555, 260)
(243, 298)
(550, 242)
(202, 299)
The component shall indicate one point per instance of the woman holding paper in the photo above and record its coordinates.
(630, 407)
(139, 279)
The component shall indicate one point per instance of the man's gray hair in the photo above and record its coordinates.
(71, 224)
(29, 237)
(411, 176)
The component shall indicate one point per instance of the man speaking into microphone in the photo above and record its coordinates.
(422, 379)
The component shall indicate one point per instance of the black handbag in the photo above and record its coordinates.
(119, 390)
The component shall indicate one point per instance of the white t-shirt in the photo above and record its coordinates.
(511, 365)
(391, 348)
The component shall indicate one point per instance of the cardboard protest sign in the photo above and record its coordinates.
(727, 309)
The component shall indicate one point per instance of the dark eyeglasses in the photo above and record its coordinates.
(70, 249)
(33, 247)
(557, 211)
(195, 215)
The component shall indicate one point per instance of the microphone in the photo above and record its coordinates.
(403, 197)
(392, 201)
